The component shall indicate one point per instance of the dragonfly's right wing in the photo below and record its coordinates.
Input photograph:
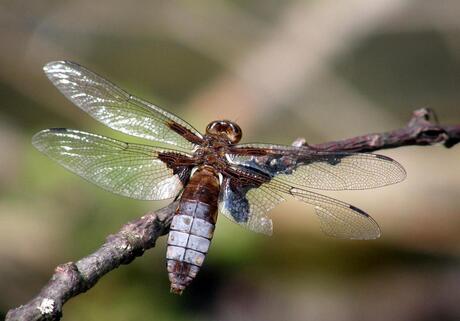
(133, 170)
(119, 110)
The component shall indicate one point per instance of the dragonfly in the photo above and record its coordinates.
(209, 174)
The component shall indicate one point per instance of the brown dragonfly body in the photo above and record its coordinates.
(210, 173)
(192, 228)
(193, 225)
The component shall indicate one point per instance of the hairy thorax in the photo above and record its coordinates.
(212, 152)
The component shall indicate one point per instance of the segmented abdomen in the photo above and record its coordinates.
(192, 228)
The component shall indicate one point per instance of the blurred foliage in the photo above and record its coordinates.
(419, 68)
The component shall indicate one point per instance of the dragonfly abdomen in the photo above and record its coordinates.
(192, 228)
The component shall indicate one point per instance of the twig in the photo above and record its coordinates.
(71, 279)
(423, 129)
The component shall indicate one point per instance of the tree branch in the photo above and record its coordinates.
(134, 238)
(71, 279)
(423, 129)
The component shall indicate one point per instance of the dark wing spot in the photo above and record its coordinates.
(384, 157)
(234, 198)
(237, 183)
(58, 130)
(334, 161)
(360, 211)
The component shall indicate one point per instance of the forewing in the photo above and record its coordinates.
(247, 202)
(132, 170)
(308, 168)
(118, 109)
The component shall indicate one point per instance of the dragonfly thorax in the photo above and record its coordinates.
(212, 155)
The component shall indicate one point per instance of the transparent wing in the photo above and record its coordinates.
(247, 194)
(307, 168)
(337, 219)
(247, 204)
(132, 170)
(118, 109)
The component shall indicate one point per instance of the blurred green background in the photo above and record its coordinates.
(323, 70)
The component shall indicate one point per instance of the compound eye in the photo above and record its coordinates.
(224, 127)
(234, 133)
(217, 127)
(209, 128)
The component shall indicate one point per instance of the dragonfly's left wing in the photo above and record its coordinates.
(309, 168)
(118, 109)
(245, 200)
(133, 170)
(337, 218)
(260, 174)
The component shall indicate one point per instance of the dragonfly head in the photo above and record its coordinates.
(225, 128)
